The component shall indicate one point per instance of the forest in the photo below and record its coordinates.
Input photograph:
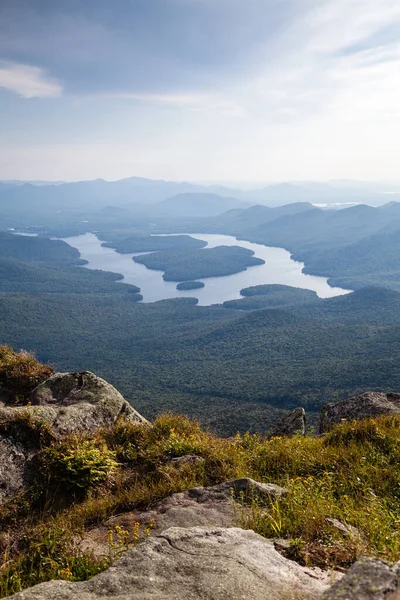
(236, 366)
(187, 265)
(233, 370)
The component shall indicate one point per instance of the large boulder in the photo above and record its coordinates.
(66, 403)
(192, 564)
(202, 506)
(365, 406)
(73, 402)
(294, 423)
(367, 579)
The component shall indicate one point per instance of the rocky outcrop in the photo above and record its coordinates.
(368, 405)
(193, 563)
(66, 403)
(202, 506)
(293, 423)
(73, 402)
(367, 579)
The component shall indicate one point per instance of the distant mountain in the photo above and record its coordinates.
(320, 229)
(322, 193)
(197, 205)
(240, 221)
(375, 259)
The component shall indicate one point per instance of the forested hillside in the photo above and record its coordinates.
(235, 370)
(232, 370)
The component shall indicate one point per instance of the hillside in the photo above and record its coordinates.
(373, 259)
(108, 486)
(232, 370)
(32, 265)
(354, 247)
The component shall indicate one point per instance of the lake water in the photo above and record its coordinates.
(279, 268)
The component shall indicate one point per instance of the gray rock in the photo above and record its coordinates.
(194, 564)
(368, 405)
(367, 579)
(349, 531)
(188, 459)
(15, 467)
(72, 402)
(203, 506)
(67, 402)
(245, 488)
(293, 423)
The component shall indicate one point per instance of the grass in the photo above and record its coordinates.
(21, 372)
(351, 474)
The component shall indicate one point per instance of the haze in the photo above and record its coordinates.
(201, 90)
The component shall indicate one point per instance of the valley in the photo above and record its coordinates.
(278, 268)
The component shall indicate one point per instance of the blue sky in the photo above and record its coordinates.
(251, 90)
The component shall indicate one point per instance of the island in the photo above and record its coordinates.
(152, 243)
(190, 265)
(272, 296)
(190, 285)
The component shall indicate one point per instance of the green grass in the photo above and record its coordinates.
(351, 474)
(21, 372)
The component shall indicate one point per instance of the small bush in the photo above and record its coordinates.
(21, 372)
(78, 464)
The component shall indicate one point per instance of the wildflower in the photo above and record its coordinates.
(66, 574)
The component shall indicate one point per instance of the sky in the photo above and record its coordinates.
(200, 90)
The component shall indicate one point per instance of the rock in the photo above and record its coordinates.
(68, 403)
(15, 467)
(202, 506)
(188, 459)
(293, 423)
(245, 488)
(367, 579)
(194, 564)
(349, 531)
(73, 402)
(368, 405)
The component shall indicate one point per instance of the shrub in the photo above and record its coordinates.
(21, 372)
(77, 464)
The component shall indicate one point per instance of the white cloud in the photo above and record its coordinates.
(191, 101)
(28, 81)
(334, 61)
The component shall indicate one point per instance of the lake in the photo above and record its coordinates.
(279, 268)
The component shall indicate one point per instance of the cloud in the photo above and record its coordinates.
(198, 102)
(192, 89)
(338, 61)
(28, 81)
(141, 46)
